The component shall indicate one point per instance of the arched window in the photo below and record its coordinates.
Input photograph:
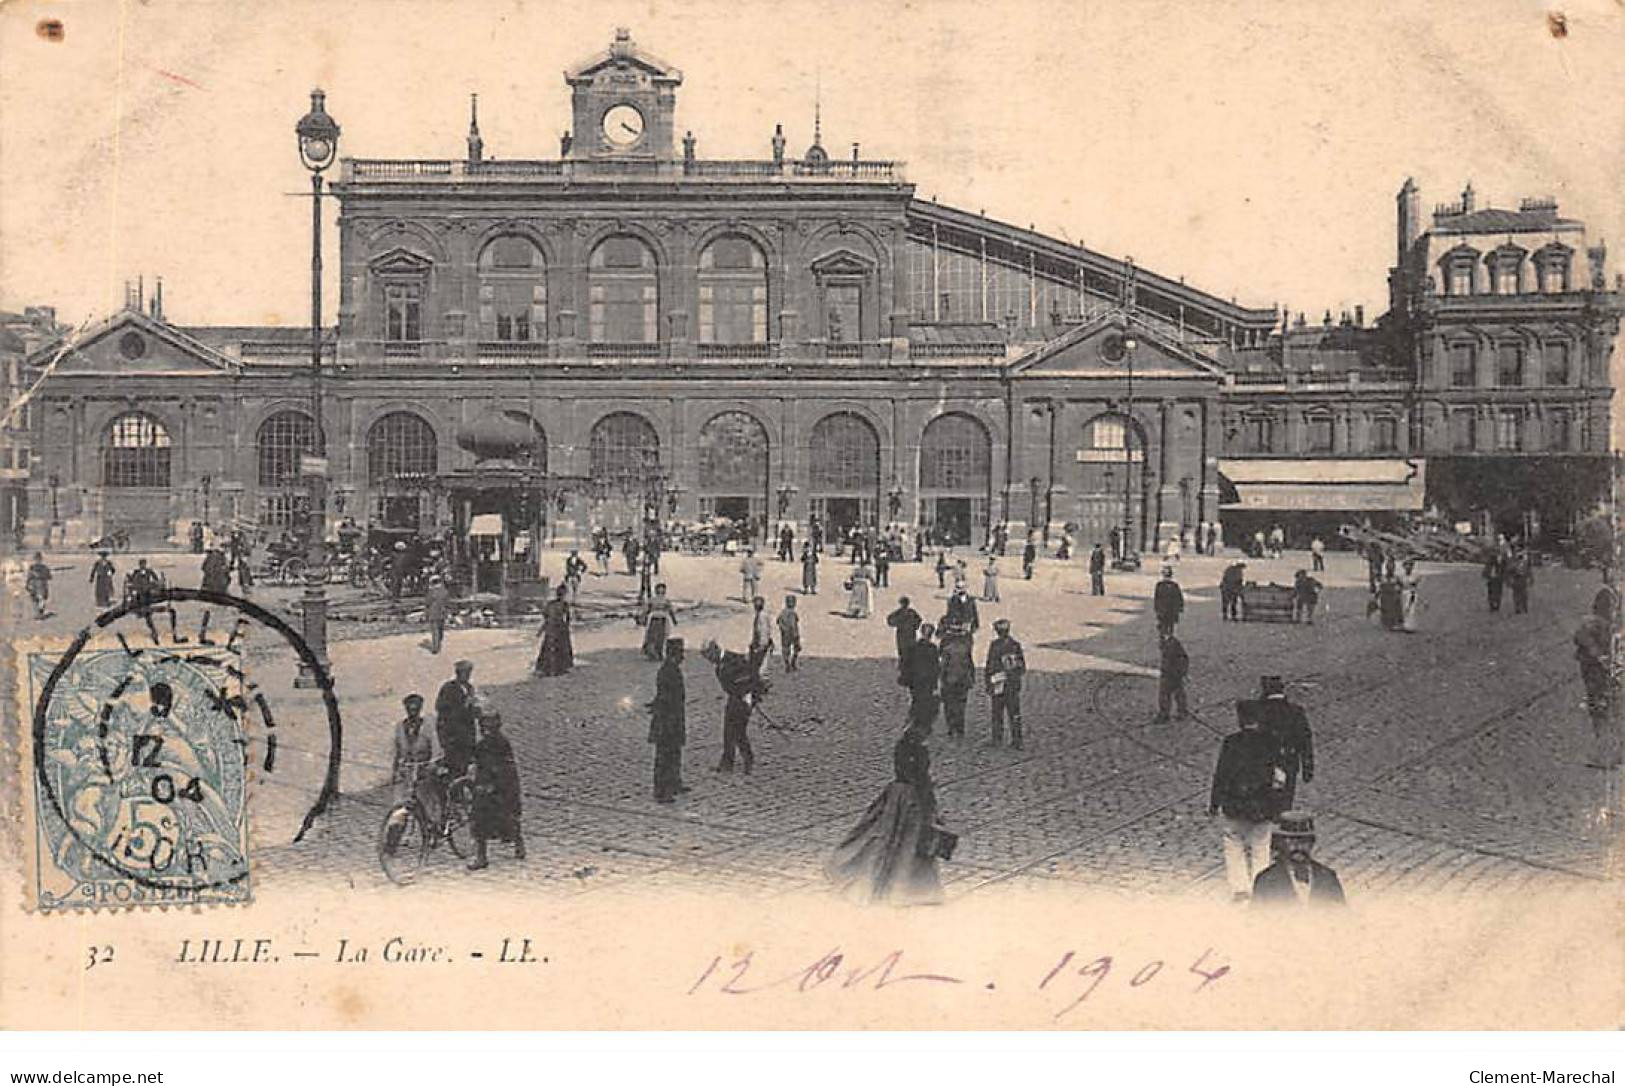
(402, 458)
(843, 472)
(513, 291)
(623, 292)
(956, 455)
(733, 454)
(282, 440)
(956, 479)
(401, 447)
(625, 452)
(733, 292)
(733, 467)
(136, 453)
(844, 454)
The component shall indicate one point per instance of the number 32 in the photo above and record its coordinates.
(99, 955)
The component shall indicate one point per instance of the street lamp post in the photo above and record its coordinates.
(318, 147)
(1130, 559)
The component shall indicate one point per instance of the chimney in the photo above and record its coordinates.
(140, 293)
(1409, 203)
(158, 300)
(1359, 316)
(1467, 198)
(476, 145)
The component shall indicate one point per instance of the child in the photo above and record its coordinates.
(790, 635)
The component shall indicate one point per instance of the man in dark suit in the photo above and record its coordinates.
(454, 711)
(1231, 585)
(1247, 786)
(743, 685)
(1288, 725)
(961, 615)
(921, 670)
(1176, 665)
(1097, 571)
(1294, 878)
(906, 621)
(667, 723)
(1168, 602)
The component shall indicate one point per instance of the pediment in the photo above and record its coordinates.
(842, 262)
(1097, 348)
(400, 261)
(624, 55)
(133, 344)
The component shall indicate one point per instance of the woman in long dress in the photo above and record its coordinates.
(658, 619)
(860, 604)
(990, 580)
(887, 858)
(1410, 597)
(556, 656)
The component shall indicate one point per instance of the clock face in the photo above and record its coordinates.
(623, 125)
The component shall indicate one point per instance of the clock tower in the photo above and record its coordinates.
(622, 103)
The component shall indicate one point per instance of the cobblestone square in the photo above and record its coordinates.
(1451, 759)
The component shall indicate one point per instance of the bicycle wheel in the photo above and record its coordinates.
(460, 821)
(403, 843)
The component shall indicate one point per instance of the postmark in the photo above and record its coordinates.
(151, 732)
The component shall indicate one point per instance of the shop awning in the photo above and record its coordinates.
(1326, 485)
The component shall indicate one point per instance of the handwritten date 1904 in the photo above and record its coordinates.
(835, 971)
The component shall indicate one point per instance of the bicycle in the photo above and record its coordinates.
(409, 834)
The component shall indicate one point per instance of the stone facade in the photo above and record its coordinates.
(795, 336)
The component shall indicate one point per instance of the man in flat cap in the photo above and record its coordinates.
(1006, 665)
(1295, 878)
(454, 712)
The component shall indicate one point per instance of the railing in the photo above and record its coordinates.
(512, 348)
(843, 350)
(626, 350)
(261, 348)
(586, 169)
(398, 348)
(956, 350)
(735, 350)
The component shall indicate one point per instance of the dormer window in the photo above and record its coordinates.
(1456, 269)
(1506, 269)
(1552, 264)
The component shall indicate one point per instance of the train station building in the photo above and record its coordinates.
(800, 335)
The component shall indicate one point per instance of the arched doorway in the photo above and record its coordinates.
(1110, 483)
(734, 469)
(956, 479)
(283, 497)
(843, 473)
(625, 469)
(403, 455)
(136, 477)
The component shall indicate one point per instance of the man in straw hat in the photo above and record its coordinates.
(1295, 878)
